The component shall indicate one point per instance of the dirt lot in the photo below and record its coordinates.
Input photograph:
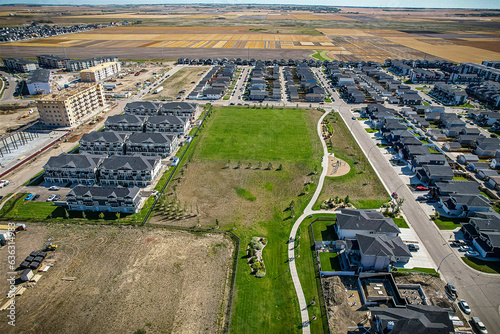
(128, 83)
(181, 80)
(125, 279)
(11, 119)
(432, 286)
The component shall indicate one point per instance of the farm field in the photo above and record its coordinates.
(252, 200)
(180, 80)
(340, 43)
(125, 280)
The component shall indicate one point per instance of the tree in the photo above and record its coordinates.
(84, 216)
(292, 205)
(228, 163)
(101, 216)
(280, 167)
(259, 166)
(239, 165)
(117, 215)
(347, 200)
(269, 166)
(249, 165)
(66, 213)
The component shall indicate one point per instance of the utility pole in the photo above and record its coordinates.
(64, 50)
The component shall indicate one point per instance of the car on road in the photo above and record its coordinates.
(51, 198)
(464, 306)
(465, 248)
(28, 197)
(450, 288)
(54, 188)
(35, 197)
(57, 198)
(479, 325)
(471, 253)
(422, 188)
(395, 194)
(353, 118)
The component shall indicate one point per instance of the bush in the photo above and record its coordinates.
(260, 274)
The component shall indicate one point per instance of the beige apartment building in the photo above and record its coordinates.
(100, 72)
(71, 106)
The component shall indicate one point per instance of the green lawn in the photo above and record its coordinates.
(370, 130)
(430, 271)
(258, 135)
(324, 230)
(321, 55)
(401, 222)
(329, 262)
(245, 194)
(361, 184)
(426, 103)
(460, 178)
(444, 223)
(492, 267)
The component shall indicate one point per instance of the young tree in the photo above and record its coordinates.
(66, 213)
(249, 165)
(259, 166)
(347, 200)
(270, 166)
(117, 215)
(84, 216)
(101, 215)
(280, 167)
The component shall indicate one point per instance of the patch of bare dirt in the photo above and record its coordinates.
(125, 279)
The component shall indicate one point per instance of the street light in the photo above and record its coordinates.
(440, 263)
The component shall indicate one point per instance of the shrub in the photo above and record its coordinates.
(260, 274)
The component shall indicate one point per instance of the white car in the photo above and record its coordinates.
(51, 198)
(471, 253)
(464, 306)
(54, 188)
(465, 248)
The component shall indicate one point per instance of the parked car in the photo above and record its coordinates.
(465, 248)
(413, 247)
(51, 198)
(471, 253)
(479, 325)
(54, 188)
(464, 306)
(450, 288)
(422, 188)
(35, 197)
(28, 197)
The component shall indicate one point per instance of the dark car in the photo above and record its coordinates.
(35, 197)
(450, 288)
(413, 247)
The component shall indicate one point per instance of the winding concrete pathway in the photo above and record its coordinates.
(291, 246)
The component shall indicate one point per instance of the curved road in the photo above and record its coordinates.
(291, 250)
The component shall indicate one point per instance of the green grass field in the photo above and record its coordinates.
(324, 230)
(444, 223)
(258, 135)
(361, 184)
(401, 222)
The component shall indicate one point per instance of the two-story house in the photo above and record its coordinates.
(104, 199)
(109, 142)
(125, 122)
(174, 124)
(73, 168)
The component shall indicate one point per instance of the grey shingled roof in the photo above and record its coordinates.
(130, 162)
(79, 161)
(382, 245)
(108, 137)
(150, 138)
(166, 119)
(129, 119)
(365, 220)
(96, 191)
(145, 104)
(458, 187)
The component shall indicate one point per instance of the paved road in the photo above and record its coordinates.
(482, 291)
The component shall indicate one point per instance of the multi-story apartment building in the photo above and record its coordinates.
(38, 82)
(52, 61)
(151, 144)
(70, 107)
(108, 142)
(82, 64)
(125, 123)
(109, 199)
(100, 72)
(73, 168)
(135, 170)
(448, 95)
(142, 108)
(20, 64)
(484, 72)
(181, 109)
(166, 124)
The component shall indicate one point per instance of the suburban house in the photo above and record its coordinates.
(464, 159)
(483, 229)
(427, 159)
(448, 95)
(487, 149)
(73, 168)
(464, 205)
(110, 199)
(495, 162)
(151, 143)
(109, 142)
(452, 146)
(351, 222)
(125, 122)
(372, 240)
(494, 182)
(162, 123)
(455, 188)
(413, 319)
(486, 173)
(135, 170)
(430, 174)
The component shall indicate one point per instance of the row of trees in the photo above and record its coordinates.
(249, 166)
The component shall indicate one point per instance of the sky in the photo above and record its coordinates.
(490, 4)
